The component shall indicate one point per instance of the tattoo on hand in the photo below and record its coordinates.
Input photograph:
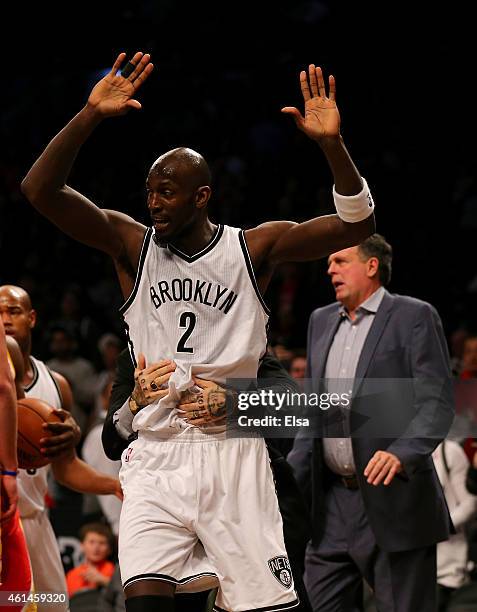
(217, 401)
(138, 395)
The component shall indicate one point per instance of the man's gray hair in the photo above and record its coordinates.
(376, 246)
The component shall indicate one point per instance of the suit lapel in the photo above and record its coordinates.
(375, 332)
(321, 350)
(323, 345)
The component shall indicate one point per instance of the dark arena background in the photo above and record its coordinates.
(223, 71)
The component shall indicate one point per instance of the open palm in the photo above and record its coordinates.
(322, 118)
(113, 95)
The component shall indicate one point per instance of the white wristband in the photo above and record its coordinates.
(356, 207)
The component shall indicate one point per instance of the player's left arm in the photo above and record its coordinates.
(279, 241)
(67, 434)
(68, 469)
(74, 473)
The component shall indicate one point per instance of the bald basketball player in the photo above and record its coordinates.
(193, 292)
(36, 380)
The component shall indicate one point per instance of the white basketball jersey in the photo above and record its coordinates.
(33, 484)
(203, 311)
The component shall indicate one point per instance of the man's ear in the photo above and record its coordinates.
(32, 317)
(202, 196)
(372, 267)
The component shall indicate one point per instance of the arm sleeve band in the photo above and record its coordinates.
(356, 207)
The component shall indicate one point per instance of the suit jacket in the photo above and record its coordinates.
(406, 342)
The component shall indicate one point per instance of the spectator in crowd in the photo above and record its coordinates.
(456, 344)
(96, 571)
(74, 318)
(109, 347)
(471, 484)
(452, 465)
(79, 372)
(469, 358)
(297, 367)
(465, 424)
(471, 481)
(93, 453)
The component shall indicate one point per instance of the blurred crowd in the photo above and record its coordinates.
(227, 107)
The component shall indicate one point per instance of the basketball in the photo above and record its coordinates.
(32, 413)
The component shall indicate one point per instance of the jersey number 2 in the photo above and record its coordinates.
(187, 320)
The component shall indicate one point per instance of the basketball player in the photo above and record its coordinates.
(15, 571)
(193, 294)
(8, 431)
(38, 381)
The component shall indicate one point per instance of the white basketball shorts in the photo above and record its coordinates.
(200, 508)
(47, 569)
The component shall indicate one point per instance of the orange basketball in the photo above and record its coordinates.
(32, 413)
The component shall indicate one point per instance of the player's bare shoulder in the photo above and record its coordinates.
(131, 234)
(15, 355)
(262, 239)
(66, 395)
(18, 365)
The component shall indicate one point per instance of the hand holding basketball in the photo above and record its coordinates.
(60, 437)
(32, 415)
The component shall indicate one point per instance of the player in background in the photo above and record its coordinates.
(38, 381)
(15, 571)
(8, 431)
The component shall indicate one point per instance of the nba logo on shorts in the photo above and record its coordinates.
(128, 454)
(280, 568)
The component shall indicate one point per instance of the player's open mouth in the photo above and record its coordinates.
(160, 223)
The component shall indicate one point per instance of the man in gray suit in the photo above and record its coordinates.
(377, 506)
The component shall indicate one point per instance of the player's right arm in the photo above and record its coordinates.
(8, 427)
(64, 436)
(46, 187)
(277, 242)
(76, 474)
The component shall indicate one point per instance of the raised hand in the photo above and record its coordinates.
(113, 95)
(322, 119)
